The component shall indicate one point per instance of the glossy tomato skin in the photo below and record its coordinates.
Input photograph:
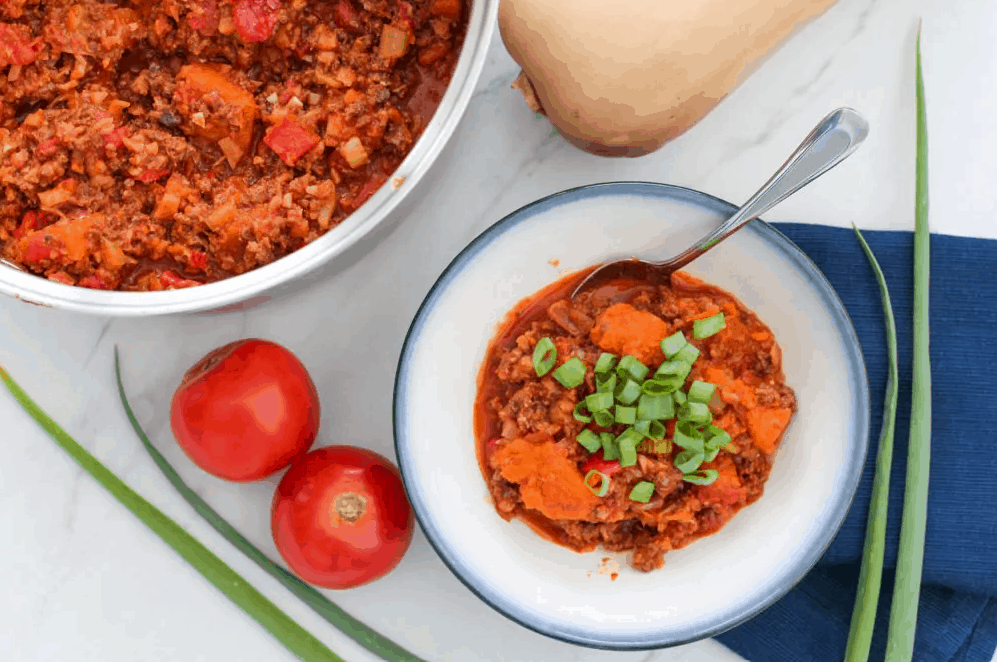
(246, 410)
(340, 517)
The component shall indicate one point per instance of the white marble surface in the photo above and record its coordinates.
(84, 580)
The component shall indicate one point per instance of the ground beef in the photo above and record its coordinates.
(150, 145)
(527, 431)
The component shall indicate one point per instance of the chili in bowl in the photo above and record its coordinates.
(167, 146)
(645, 464)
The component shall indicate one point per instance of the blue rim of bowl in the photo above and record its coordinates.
(820, 285)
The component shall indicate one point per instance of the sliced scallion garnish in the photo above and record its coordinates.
(632, 366)
(658, 431)
(603, 483)
(716, 437)
(597, 402)
(680, 397)
(655, 407)
(605, 363)
(604, 418)
(701, 391)
(688, 461)
(658, 386)
(605, 382)
(609, 450)
(571, 373)
(544, 356)
(590, 440)
(628, 393)
(704, 477)
(687, 355)
(672, 344)
(708, 326)
(688, 437)
(579, 413)
(696, 412)
(626, 415)
(627, 443)
(642, 491)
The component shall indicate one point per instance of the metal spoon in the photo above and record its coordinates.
(833, 139)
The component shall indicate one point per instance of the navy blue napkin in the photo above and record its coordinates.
(957, 618)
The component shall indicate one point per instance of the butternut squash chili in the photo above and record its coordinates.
(159, 144)
(636, 417)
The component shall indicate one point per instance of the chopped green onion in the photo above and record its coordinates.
(687, 355)
(579, 415)
(704, 477)
(642, 491)
(597, 402)
(644, 427)
(603, 483)
(659, 386)
(628, 393)
(604, 418)
(913, 523)
(627, 443)
(626, 415)
(716, 437)
(631, 365)
(673, 343)
(605, 363)
(609, 450)
(673, 369)
(663, 446)
(680, 397)
(688, 437)
(544, 356)
(697, 412)
(710, 453)
(606, 382)
(655, 407)
(658, 431)
(590, 440)
(688, 461)
(708, 326)
(571, 373)
(701, 391)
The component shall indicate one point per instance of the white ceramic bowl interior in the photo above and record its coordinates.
(373, 213)
(716, 582)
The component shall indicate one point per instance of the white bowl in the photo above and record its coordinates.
(714, 583)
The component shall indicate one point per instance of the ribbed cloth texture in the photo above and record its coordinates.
(957, 618)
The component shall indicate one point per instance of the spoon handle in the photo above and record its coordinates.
(831, 141)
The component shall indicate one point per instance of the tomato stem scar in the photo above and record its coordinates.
(350, 506)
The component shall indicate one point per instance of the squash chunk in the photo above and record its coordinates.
(766, 425)
(214, 106)
(549, 481)
(726, 488)
(622, 329)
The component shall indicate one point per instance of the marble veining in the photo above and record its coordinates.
(85, 581)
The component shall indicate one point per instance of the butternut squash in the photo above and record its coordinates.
(622, 79)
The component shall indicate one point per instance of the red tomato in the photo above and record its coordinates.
(608, 467)
(340, 517)
(245, 410)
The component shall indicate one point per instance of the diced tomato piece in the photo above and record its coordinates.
(491, 445)
(116, 138)
(256, 19)
(32, 221)
(374, 183)
(48, 147)
(171, 280)
(290, 141)
(406, 14)
(152, 175)
(345, 16)
(94, 282)
(203, 17)
(596, 463)
(35, 248)
(198, 259)
(16, 45)
(60, 277)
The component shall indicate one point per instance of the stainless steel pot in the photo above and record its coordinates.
(243, 290)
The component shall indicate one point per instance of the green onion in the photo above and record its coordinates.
(604, 418)
(655, 407)
(627, 443)
(605, 363)
(672, 344)
(710, 452)
(672, 369)
(609, 449)
(544, 356)
(701, 391)
(294, 637)
(696, 412)
(687, 436)
(704, 477)
(571, 373)
(334, 615)
(706, 327)
(687, 354)
(606, 382)
(910, 554)
(658, 432)
(680, 397)
(579, 415)
(626, 415)
(688, 461)
(642, 491)
(631, 365)
(716, 437)
(628, 393)
(871, 570)
(597, 402)
(658, 386)
(603, 483)
(590, 440)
